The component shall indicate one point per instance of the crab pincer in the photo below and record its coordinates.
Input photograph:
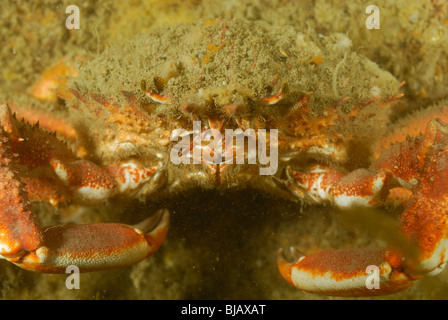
(420, 164)
(343, 272)
(94, 247)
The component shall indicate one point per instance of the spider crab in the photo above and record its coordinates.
(118, 139)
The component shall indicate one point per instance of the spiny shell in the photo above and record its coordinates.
(212, 66)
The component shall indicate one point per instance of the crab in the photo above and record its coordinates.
(320, 106)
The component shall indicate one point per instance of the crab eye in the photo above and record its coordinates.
(143, 86)
(160, 83)
(285, 88)
(163, 99)
(276, 98)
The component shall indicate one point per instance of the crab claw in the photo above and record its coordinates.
(94, 247)
(419, 164)
(92, 184)
(361, 272)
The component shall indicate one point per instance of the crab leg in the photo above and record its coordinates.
(82, 180)
(51, 249)
(92, 184)
(358, 188)
(420, 164)
(19, 230)
(425, 219)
